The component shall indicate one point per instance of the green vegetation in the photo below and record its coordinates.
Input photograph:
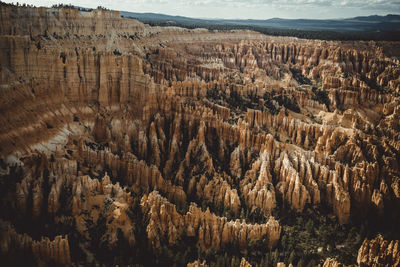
(234, 100)
(299, 77)
(270, 102)
(311, 237)
(321, 96)
(287, 101)
(70, 6)
(328, 35)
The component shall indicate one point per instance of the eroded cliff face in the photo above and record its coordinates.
(197, 263)
(44, 251)
(331, 263)
(211, 231)
(204, 129)
(379, 252)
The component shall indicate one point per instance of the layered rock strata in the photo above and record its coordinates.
(100, 111)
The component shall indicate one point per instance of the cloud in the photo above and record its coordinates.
(392, 6)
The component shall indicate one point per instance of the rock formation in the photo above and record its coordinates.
(197, 263)
(45, 251)
(379, 252)
(128, 136)
(329, 262)
(167, 225)
(244, 263)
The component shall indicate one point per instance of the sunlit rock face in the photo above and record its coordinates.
(379, 252)
(115, 134)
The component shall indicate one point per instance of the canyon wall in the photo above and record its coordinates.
(116, 131)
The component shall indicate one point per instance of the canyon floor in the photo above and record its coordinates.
(131, 145)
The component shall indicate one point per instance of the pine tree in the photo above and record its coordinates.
(300, 263)
(292, 257)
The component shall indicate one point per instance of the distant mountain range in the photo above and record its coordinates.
(365, 23)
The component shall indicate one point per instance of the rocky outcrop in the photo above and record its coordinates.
(39, 21)
(100, 111)
(45, 251)
(259, 191)
(135, 173)
(329, 262)
(244, 263)
(94, 200)
(379, 252)
(166, 226)
(81, 199)
(197, 263)
(52, 251)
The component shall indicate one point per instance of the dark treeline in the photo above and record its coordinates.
(16, 4)
(70, 6)
(327, 35)
(61, 5)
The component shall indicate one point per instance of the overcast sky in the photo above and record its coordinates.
(244, 9)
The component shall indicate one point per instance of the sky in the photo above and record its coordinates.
(243, 9)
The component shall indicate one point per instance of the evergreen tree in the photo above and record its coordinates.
(292, 257)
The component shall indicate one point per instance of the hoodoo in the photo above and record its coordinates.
(123, 144)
